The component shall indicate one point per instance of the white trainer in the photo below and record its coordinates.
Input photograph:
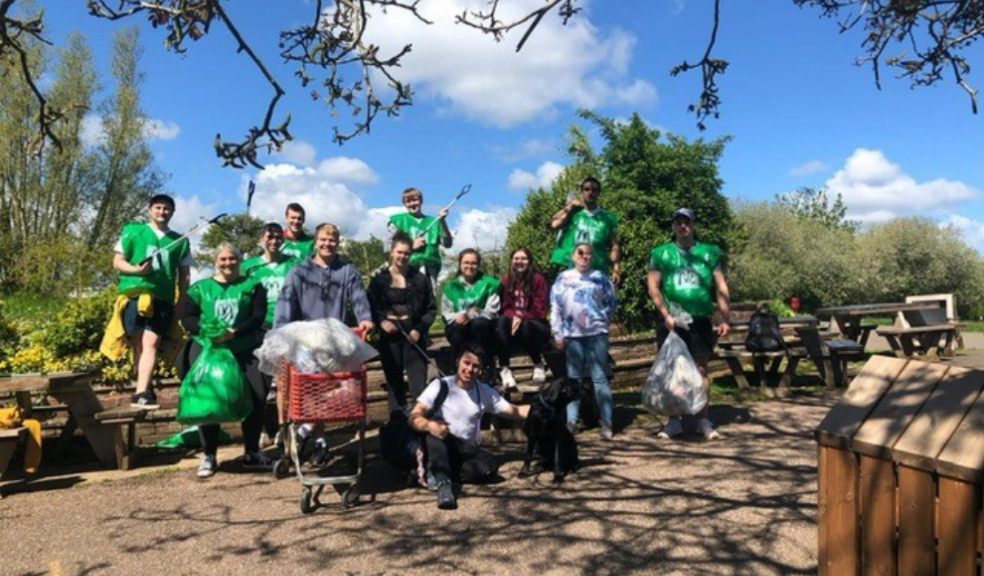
(539, 374)
(672, 428)
(208, 467)
(507, 378)
(707, 429)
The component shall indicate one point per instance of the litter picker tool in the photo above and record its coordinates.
(464, 190)
(249, 195)
(421, 351)
(194, 229)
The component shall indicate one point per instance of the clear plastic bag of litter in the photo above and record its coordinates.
(314, 346)
(674, 386)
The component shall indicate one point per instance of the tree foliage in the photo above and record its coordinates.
(813, 204)
(241, 230)
(367, 255)
(644, 177)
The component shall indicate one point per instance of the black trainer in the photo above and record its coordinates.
(445, 496)
(146, 400)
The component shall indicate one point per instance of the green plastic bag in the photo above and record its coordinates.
(190, 438)
(214, 390)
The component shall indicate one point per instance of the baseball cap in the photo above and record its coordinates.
(684, 213)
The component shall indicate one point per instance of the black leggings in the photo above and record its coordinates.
(481, 330)
(397, 355)
(252, 425)
(533, 334)
(459, 461)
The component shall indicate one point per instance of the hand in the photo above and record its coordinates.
(229, 335)
(388, 327)
(516, 323)
(461, 318)
(559, 343)
(366, 326)
(669, 323)
(419, 243)
(723, 329)
(575, 204)
(616, 277)
(442, 213)
(144, 269)
(414, 336)
(437, 429)
(473, 312)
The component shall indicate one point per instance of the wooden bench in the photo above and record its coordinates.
(766, 365)
(935, 317)
(9, 439)
(829, 355)
(907, 342)
(123, 421)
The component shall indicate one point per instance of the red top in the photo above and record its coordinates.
(530, 302)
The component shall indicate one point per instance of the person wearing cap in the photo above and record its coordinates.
(688, 276)
(582, 220)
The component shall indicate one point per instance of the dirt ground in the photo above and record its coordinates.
(743, 505)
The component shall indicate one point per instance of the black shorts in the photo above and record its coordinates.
(700, 338)
(159, 323)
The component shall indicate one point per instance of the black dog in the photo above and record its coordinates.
(547, 433)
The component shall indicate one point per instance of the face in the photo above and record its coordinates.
(413, 203)
(683, 228)
(272, 241)
(520, 262)
(295, 221)
(400, 254)
(469, 266)
(227, 263)
(590, 193)
(161, 213)
(582, 258)
(326, 245)
(469, 367)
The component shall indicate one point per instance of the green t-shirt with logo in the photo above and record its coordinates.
(138, 240)
(223, 306)
(463, 296)
(687, 275)
(298, 249)
(272, 276)
(597, 229)
(412, 226)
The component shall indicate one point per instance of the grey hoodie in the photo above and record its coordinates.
(312, 293)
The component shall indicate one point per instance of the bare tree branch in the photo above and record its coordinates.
(709, 103)
(489, 23)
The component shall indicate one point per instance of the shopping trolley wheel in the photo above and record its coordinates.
(281, 468)
(350, 497)
(307, 502)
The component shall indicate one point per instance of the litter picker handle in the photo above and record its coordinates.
(194, 229)
(464, 190)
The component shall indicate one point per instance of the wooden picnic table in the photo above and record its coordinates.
(74, 390)
(784, 321)
(849, 317)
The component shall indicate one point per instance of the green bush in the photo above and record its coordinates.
(79, 325)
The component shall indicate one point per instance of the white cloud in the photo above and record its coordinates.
(188, 213)
(482, 229)
(155, 129)
(874, 189)
(811, 167)
(521, 180)
(297, 152)
(94, 133)
(487, 81)
(971, 230)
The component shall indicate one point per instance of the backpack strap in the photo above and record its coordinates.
(442, 395)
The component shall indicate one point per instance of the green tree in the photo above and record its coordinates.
(241, 230)
(813, 204)
(367, 255)
(644, 179)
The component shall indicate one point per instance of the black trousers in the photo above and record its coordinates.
(397, 354)
(459, 461)
(481, 330)
(532, 335)
(252, 426)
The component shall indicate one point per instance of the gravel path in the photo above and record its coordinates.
(742, 505)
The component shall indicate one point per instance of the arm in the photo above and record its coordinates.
(560, 218)
(420, 422)
(376, 300)
(609, 300)
(516, 412)
(491, 309)
(184, 278)
(257, 312)
(428, 305)
(288, 305)
(541, 294)
(446, 239)
(447, 310)
(120, 263)
(616, 258)
(360, 303)
(653, 282)
(723, 301)
(556, 323)
(190, 315)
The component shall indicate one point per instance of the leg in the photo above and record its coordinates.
(483, 331)
(146, 358)
(416, 367)
(503, 339)
(597, 358)
(252, 425)
(390, 356)
(534, 335)
(477, 465)
(457, 335)
(575, 355)
(210, 438)
(443, 458)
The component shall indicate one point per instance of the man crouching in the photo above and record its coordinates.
(453, 430)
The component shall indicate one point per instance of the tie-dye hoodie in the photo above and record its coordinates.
(581, 304)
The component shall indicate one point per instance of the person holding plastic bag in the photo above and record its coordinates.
(686, 278)
(582, 305)
(220, 381)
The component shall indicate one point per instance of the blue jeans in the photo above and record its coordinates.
(588, 356)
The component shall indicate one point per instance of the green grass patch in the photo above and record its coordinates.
(31, 307)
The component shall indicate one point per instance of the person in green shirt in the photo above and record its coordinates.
(298, 244)
(583, 220)
(470, 306)
(270, 268)
(687, 276)
(154, 263)
(428, 233)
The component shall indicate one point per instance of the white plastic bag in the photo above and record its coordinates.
(313, 346)
(674, 386)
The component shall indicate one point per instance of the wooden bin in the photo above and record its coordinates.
(901, 464)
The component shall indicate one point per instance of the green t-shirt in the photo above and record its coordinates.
(687, 275)
(272, 276)
(463, 296)
(223, 306)
(597, 229)
(430, 254)
(138, 240)
(298, 249)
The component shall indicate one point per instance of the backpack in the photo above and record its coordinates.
(763, 332)
(398, 442)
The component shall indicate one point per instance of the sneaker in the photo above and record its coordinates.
(707, 429)
(146, 400)
(445, 496)
(606, 432)
(507, 378)
(431, 482)
(672, 428)
(208, 467)
(319, 455)
(257, 461)
(539, 374)
(265, 440)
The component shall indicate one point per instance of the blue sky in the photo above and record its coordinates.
(799, 111)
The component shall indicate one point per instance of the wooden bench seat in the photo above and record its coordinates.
(907, 342)
(766, 365)
(123, 420)
(830, 355)
(9, 440)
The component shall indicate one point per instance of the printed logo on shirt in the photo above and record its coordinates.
(226, 310)
(273, 285)
(159, 261)
(686, 278)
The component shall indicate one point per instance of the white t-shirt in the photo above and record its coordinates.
(463, 409)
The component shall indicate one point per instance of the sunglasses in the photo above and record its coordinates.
(589, 188)
(582, 253)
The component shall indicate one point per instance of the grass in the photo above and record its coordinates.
(31, 307)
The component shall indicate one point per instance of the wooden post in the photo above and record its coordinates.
(917, 495)
(958, 503)
(838, 512)
(877, 491)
